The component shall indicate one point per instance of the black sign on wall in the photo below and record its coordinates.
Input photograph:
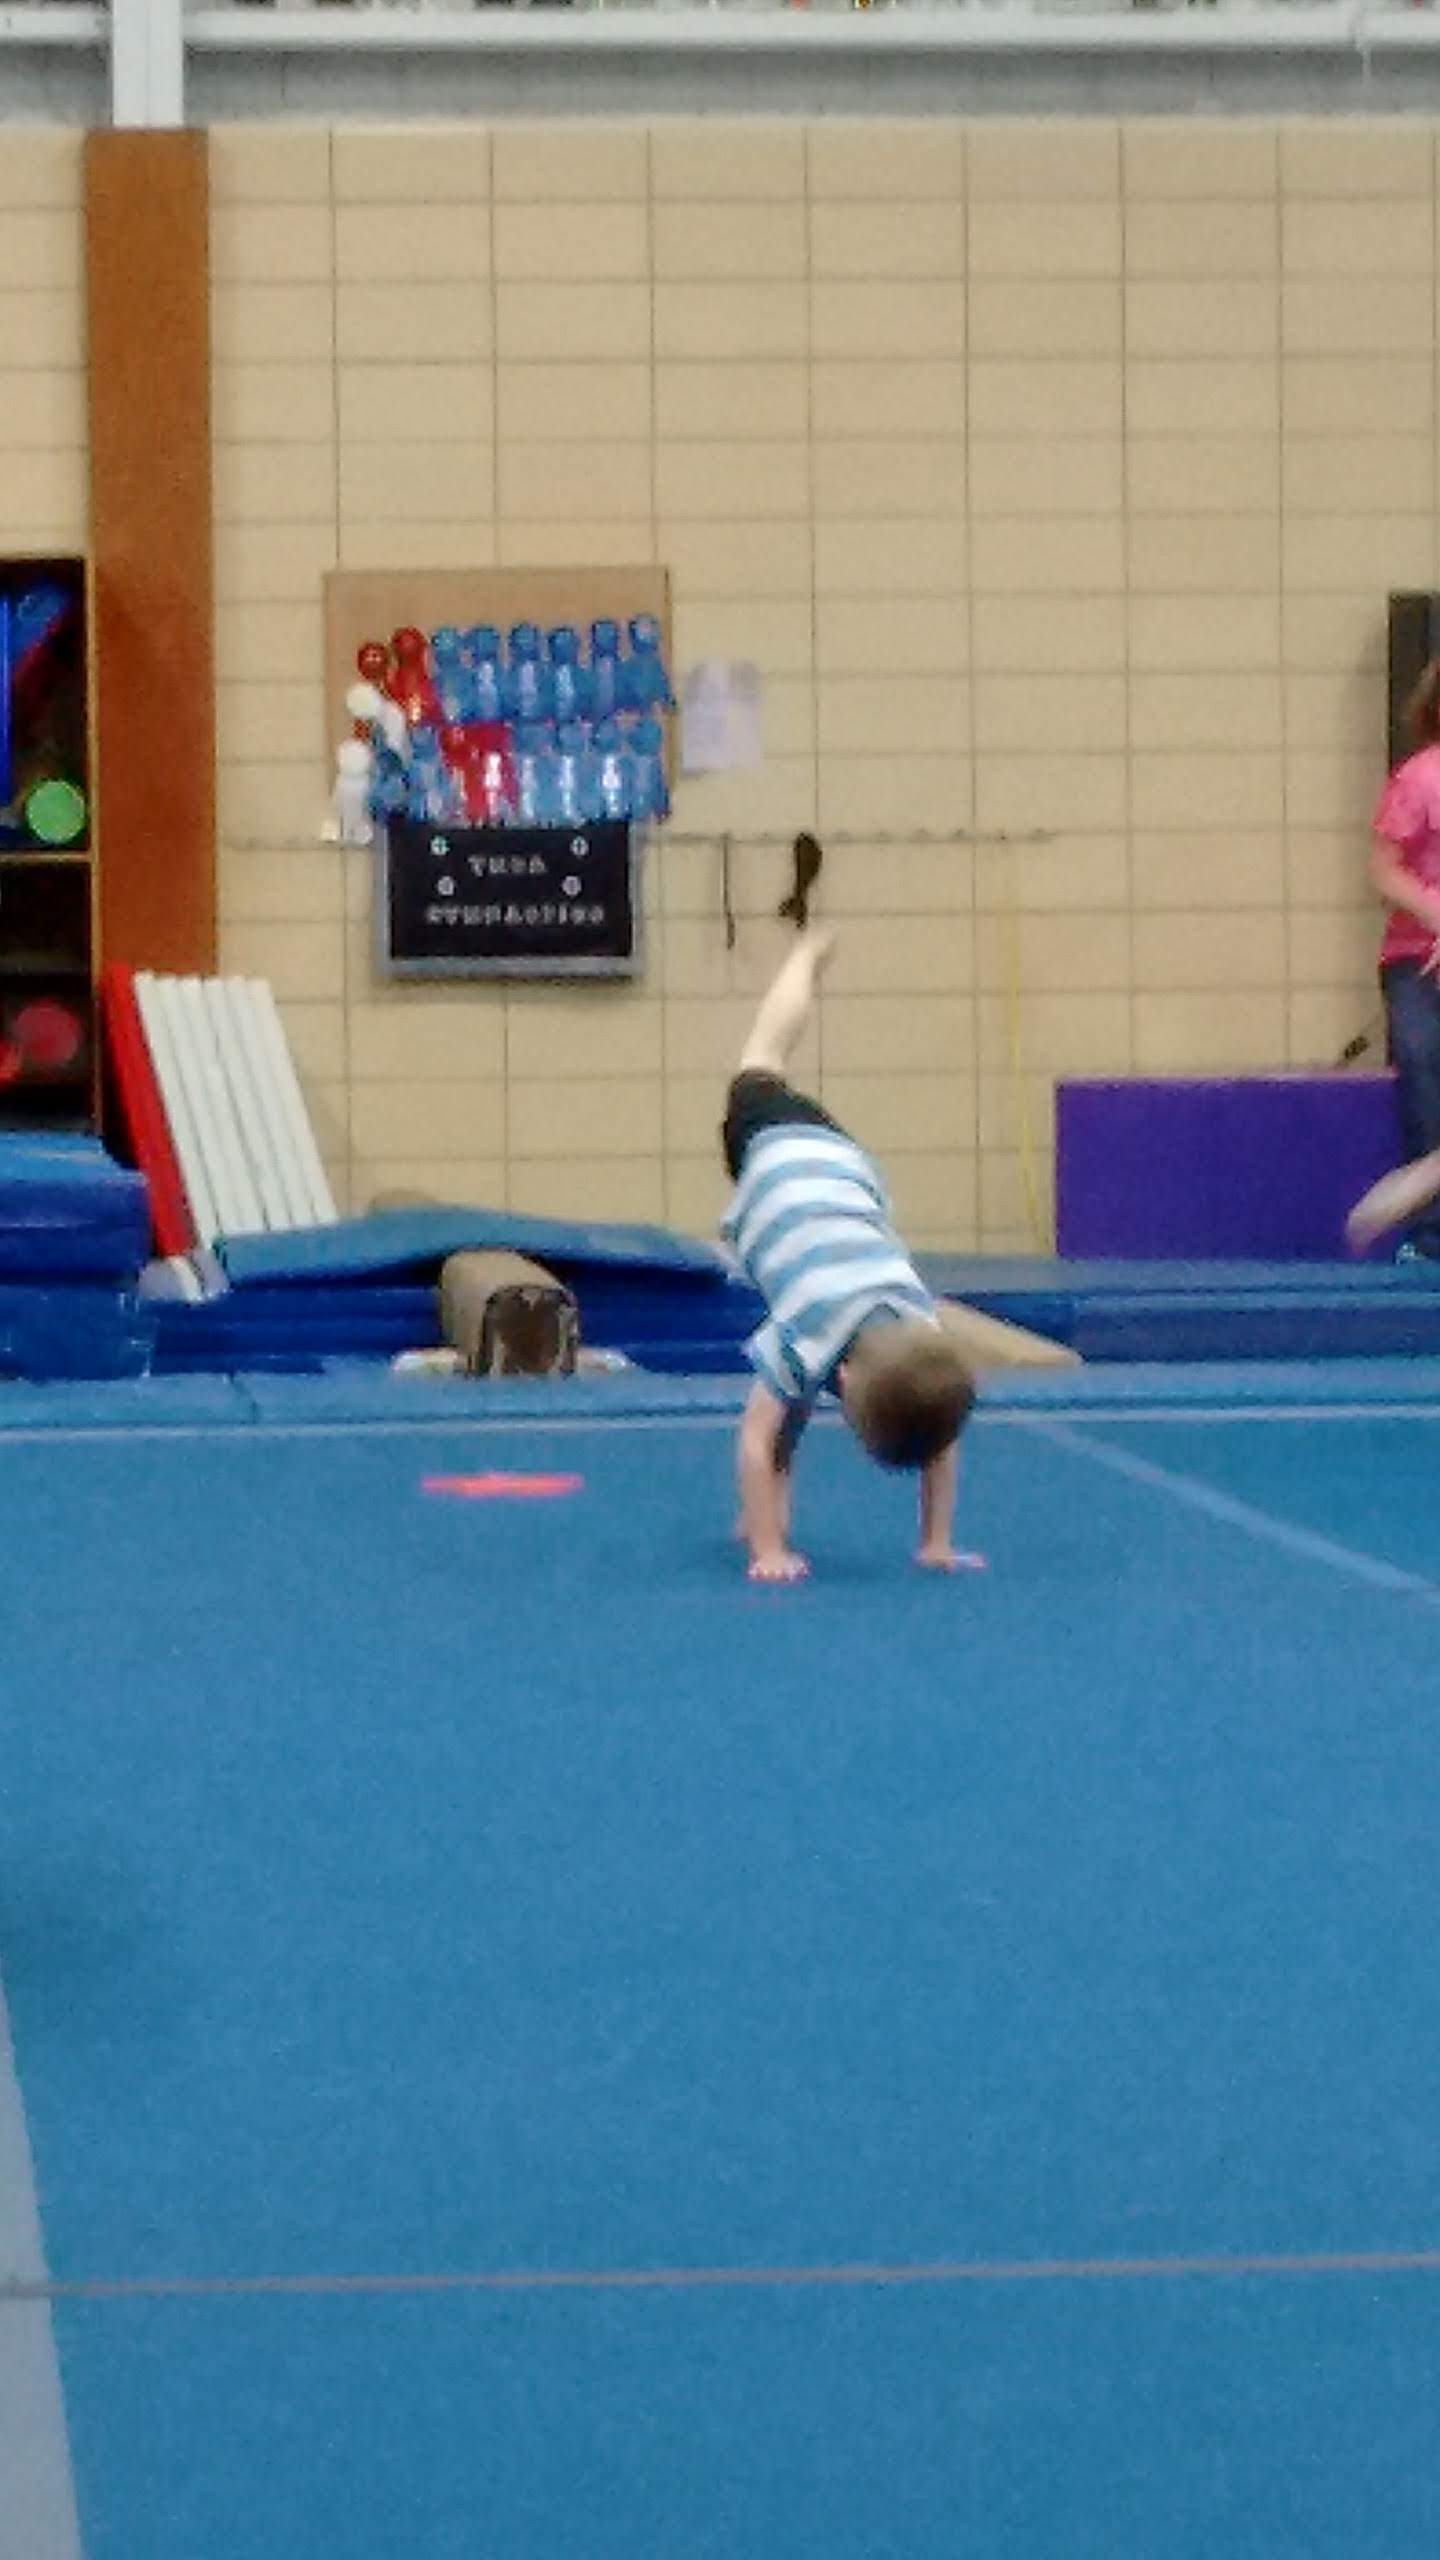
(1414, 641)
(508, 902)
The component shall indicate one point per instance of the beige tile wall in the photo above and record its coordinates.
(42, 380)
(1054, 474)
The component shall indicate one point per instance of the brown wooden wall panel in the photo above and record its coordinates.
(148, 293)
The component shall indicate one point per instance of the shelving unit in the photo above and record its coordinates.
(48, 1050)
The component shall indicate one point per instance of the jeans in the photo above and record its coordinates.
(1412, 1016)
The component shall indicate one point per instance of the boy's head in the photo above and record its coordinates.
(906, 1391)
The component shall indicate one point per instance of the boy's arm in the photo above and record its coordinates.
(939, 1483)
(768, 1433)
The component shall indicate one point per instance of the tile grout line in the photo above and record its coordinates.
(807, 207)
(973, 1226)
(654, 903)
(500, 993)
(347, 995)
(1287, 904)
(1127, 564)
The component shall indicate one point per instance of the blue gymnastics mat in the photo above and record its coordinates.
(532, 2046)
(393, 1243)
(365, 1288)
(701, 1324)
(670, 1302)
(68, 1211)
(72, 1329)
(342, 1395)
(1025, 1278)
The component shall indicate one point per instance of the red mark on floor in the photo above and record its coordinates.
(493, 1488)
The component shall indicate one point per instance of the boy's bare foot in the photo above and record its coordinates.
(944, 1558)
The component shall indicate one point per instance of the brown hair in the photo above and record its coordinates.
(907, 1392)
(1422, 710)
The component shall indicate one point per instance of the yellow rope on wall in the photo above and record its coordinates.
(1041, 1223)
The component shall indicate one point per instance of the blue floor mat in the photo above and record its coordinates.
(395, 1886)
(1073, 2423)
(336, 1394)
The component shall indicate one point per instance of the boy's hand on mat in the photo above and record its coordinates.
(938, 1556)
(779, 1564)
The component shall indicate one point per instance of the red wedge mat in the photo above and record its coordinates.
(143, 1110)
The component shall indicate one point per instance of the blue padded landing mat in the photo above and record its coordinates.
(396, 1243)
(1205, 1310)
(1319, 1325)
(668, 1303)
(693, 1327)
(67, 1210)
(1019, 1280)
(367, 1285)
(77, 1332)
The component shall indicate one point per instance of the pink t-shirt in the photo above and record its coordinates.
(1408, 815)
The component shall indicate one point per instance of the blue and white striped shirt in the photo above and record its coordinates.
(809, 1224)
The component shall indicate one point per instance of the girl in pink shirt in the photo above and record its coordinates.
(1405, 868)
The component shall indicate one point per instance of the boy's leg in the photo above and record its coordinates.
(785, 1007)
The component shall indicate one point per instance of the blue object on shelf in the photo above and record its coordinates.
(527, 687)
(447, 659)
(644, 684)
(649, 797)
(610, 777)
(571, 682)
(604, 670)
(482, 652)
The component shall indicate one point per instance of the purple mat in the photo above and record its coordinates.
(1204, 1168)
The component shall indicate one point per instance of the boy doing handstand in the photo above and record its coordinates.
(809, 1223)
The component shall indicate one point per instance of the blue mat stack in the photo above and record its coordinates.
(364, 1289)
(1184, 1311)
(74, 1233)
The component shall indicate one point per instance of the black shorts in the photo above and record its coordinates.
(759, 1100)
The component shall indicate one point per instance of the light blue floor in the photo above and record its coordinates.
(396, 1889)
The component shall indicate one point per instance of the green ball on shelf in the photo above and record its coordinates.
(56, 812)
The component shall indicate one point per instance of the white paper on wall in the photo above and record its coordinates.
(720, 717)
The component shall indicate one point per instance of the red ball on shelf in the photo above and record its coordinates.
(47, 1035)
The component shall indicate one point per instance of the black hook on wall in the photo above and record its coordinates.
(809, 862)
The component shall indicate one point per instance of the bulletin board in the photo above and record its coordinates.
(368, 604)
(451, 902)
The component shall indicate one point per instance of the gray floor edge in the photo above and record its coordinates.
(39, 2519)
